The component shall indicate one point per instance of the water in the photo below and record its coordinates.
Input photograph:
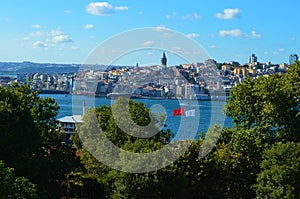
(210, 112)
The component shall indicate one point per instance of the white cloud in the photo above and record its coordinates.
(213, 46)
(62, 39)
(255, 35)
(88, 26)
(229, 14)
(57, 36)
(194, 16)
(275, 53)
(239, 33)
(168, 16)
(121, 8)
(56, 32)
(165, 32)
(50, 39)
(160, 28)
(39, 44)
(292, 38)
(232, 33)
(103, 8)
(100, 8)
(171, 16)
(281, 50)
(192, 35)
(37, 26)
(148, 43)
(37, 34)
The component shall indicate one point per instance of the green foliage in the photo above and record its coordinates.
(157, 184)
(219, 66)
(18, 132)
(12, 186)
(238, 161)
(124, 119)
(79, 185)
(270, 103)
(264, 111)
(32, 145)
(280, 173)
(258, 157)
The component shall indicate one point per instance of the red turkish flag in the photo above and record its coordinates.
(178, 112)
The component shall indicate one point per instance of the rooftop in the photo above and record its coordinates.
(71, 119)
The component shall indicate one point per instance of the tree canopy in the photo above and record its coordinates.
(257, 158)
(280, 172)
(31, 143)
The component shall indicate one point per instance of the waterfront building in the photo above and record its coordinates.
(101, 88)
(180, 91)
(68, 125)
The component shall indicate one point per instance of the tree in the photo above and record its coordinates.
(280, 173)
(19, 134)
(238, 161)
(270, 103)
(264, 111)
(32, 145)
(12, 186)
(114, 122)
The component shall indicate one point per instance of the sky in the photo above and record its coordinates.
(69, 31)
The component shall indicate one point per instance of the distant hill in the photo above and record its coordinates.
(49, 68)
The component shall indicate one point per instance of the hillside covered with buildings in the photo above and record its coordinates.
(201, 81)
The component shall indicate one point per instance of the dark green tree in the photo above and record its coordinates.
(12, 186)
(280, 173)
(264, 111)
(31, 143)
(118, 184)
(270, 103)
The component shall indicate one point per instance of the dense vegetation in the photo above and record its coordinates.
(258, 158)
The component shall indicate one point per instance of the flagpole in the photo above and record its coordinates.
(184, 126)
(195, 126)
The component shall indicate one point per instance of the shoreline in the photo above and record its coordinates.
(114, 97)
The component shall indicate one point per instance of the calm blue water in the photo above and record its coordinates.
(207, 113)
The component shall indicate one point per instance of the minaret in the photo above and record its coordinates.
(163, 60)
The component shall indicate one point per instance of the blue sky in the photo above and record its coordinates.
(228, 30)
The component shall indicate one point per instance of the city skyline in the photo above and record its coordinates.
(66, 32)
